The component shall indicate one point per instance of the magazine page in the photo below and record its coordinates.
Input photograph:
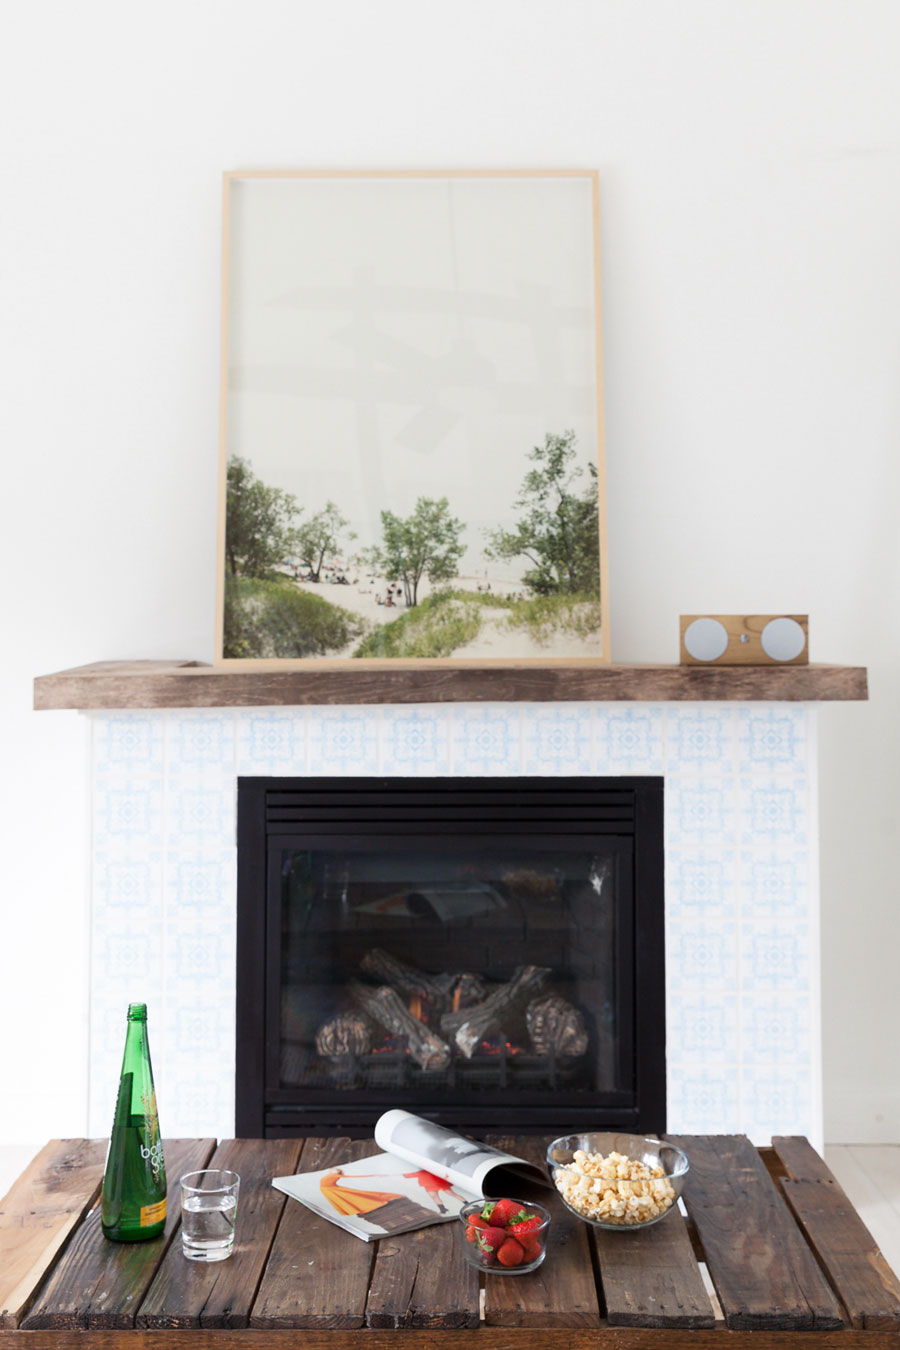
(469, 1164)
(376, 1197)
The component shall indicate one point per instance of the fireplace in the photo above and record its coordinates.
(486, 952)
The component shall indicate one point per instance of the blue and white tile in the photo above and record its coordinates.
(200, 813)
(127, 957)
(200, 741)
(775, 883)
(628, 738)
(128, 816)
(700, 739)
(200, 882)
(703, 1099)
(199, 954)
(200, 1028)
(557, 738)
(775, 954)
(773, 811)
(128, 744)
(700, 812)
(272, 742)
(126, 885)
(776, 1099)
(700, 882)
(701, 955)
(773, 738)
(775, 1028)
(197, 1099)
(343, 741)
(415, 740)
(486, 739)
(701, 1024)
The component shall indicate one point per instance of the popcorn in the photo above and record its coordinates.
(614, 1189)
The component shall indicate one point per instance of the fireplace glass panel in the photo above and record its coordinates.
(410, 971)
(484, 951)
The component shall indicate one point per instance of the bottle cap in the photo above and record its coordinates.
(137, 1012)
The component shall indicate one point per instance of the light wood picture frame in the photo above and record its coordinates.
(411, 420)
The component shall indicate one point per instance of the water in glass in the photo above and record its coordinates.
(207, 1225)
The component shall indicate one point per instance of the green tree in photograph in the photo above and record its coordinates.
(558, 529)
(319, 536)
(428, 543)
(259, 522)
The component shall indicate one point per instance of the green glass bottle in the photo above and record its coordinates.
(133, 1201)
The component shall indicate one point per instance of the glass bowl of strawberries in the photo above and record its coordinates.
(505, 1237)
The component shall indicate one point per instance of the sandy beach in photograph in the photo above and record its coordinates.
(496, 639)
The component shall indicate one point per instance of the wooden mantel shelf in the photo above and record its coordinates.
(190, 684)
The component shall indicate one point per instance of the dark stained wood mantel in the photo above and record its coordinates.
(190, 684)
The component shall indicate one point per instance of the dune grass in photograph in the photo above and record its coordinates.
(437, 626)
(445, 622)
(547, 617)
(273, 618)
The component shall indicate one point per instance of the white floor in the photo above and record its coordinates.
(869, 1173)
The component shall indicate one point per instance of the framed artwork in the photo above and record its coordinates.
(412, 419)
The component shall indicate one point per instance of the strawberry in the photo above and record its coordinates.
(490, 1239)
(532, 1248)
(511, 1253)
(471, 1233)
(523, 1223)
(503, 1211)
(488, 1209)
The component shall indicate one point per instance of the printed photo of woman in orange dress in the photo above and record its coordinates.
(390, 1210)
(434, 1187)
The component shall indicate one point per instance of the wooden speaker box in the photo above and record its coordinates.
(744, 639)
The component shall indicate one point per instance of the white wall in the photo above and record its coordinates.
(750, 161)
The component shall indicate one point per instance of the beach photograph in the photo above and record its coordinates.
(412, 449)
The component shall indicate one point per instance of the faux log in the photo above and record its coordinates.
(385, 1008)
(471, 1025)
(347, 1034)
(556, 1027)
(467, 989)
(407, 980)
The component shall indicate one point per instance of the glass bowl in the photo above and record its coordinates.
(620, 1204)
(487, 1259)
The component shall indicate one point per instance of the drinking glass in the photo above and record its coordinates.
(208, 1211)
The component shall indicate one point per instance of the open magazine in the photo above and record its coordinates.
(426, 1174)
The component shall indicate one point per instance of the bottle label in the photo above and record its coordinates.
(151, 1214)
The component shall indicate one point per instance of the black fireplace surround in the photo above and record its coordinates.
(487, 952)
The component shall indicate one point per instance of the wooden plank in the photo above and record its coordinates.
(422, 1279)
(486, 1338)
(38, 1214)
(846, 1249)
(799, 1159)
(764, 1273)
(650, 1276)
(188, 684)
(98, 1283)
(317, 1275)
(189, 1294)
(562, 1292)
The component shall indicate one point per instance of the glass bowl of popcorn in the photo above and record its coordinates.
(617, 1181)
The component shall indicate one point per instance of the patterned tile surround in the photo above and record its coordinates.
(741, 881)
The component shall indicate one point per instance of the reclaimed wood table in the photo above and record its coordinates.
(770, 1230)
